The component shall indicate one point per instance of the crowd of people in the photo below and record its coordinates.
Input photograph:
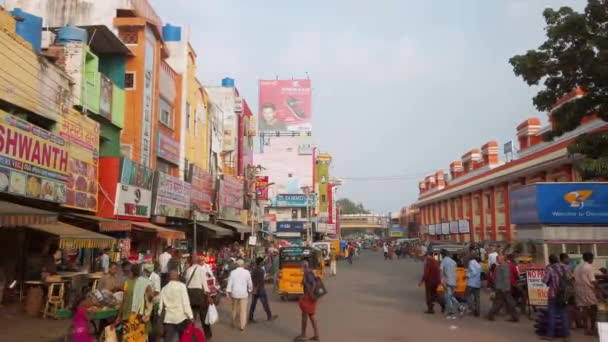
(573, 292)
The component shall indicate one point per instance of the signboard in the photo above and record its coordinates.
(463, 227)
(105, 99)
(454, 227)
(134, 192)
(231, 198)
(431, 229)
(560, 203)
(291, 200)
(172, 196)
(290, 226)
(33, 162)
(537, 290)
(261, 187)
(285, 105)
(148, 93)
(445, 228)
(82, 135)
(167, 148)
(396, 231)
(201, 195)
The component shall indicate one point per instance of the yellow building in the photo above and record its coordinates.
(197, 137)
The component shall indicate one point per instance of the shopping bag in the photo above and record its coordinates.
(212, 315)
(192, 334)
(109, 334)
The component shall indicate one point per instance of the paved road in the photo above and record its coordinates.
(372, 300)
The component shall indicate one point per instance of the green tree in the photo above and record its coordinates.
(574, 56)
(348, 207)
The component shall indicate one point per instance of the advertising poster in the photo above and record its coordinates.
(285, 105)
(431, 229)
(33, 162)
(261, 187)
(167, 148)
(134, 192)
(445, 228)
(453, 227)
(537, 290)
(172, 196)
(463, 226)
(82, 135)
(396, 231)
(105, 99)
(201, 195)
(231, 198)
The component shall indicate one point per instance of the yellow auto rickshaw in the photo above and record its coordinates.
(290, 268)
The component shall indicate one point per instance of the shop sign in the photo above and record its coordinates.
(445, 228)
(82, 135)
(134, 192)
(33, 162)
(261, 187)
(231, 198)
(396, 231)
(201, 195)
(168, 148)
(105, 99)
(463, 227)
(172, 196)
(200, 217)
(453, 227)
(431, 229)
(148, 94)
(537, 290)
(290, 226)
(331, 229)
(291, 200)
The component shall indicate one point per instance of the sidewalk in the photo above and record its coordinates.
(15, 326)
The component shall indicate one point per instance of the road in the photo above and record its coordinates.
(371, 300)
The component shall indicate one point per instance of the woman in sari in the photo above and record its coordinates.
(136, 307)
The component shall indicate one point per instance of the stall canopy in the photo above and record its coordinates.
(161, 232)
(219, 231)
(240, 228)
(74, 237)
(14, 215)
(104, 224)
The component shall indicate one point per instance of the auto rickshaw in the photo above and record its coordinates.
(290, 268)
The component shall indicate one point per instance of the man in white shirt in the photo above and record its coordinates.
(492, 257)
(385, 250)
(198, 289)
(163, 260)
(238, 289)
(174, 300)
(105, 261)
(153, 277)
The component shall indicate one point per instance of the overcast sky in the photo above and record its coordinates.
(401, 88)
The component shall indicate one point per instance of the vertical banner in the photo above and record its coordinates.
(285, 105)
(261, 187)
(537, 290)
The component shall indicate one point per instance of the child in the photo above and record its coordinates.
(80, 321)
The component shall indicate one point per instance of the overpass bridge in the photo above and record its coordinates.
(363, 223)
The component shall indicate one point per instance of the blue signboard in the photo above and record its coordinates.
(560, 203)
(290, 226)
(291, 200)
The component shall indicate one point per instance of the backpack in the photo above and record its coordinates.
(565, 290)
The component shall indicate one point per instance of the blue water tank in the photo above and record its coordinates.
(68, 34)
(228, 82)
(30, 28)
(172, 33)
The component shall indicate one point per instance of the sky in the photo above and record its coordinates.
(400, 89)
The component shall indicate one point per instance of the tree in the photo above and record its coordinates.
(348, 207)
(574, 57)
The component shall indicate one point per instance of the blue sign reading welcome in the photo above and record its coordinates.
(560, 203)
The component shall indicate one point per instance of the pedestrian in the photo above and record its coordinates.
(175, 304)
(431, 278)
(448, 279)
(80, 320)
(111, 281)
(557, 276)
(175, 263)
(259, 292)
(385, 250)
(502, 291)
(136, 307)
(198, 292)
(238, 289)
(333, 267)
(516, 292)
(163, 261)
(585, 289)
(351, 253)
(308, 304)
(275, 268)
(492, 257)
(474, 285)
(105, 261)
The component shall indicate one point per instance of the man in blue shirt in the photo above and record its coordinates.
(474, 285)
(448, 279)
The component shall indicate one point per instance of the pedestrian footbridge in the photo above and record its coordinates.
(363, 222)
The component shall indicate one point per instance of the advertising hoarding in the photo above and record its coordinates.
(105, 99)
(560, 203)
(167, 148)
(172, 196)
(463, 226)
(291, 200)
(431, 229)
(134, 192)
(82, 135)
(231, 198)
(261, 187)
(285, 105)
(445, 228)
(146, 124)
(290, 226)
(396, 231)
(33, 162)
(202, 189)
(453, 227)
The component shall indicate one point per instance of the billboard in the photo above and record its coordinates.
(431, 228)
(285, 105)
(445, 228)
(201, 196)
(261, 187)
(134, 191)
(231, 198)
(463, 226)
(290, 226)
(172, 196)
(560, 203)
(291, 200)
(453, 227)
(396, 231)
(167, 148)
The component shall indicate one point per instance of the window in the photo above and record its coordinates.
(128, 35)
(165, 115)
(129, 80)
(588, 247)
(303, 212)
(488, 201)
(323, 198)
(500, 199)
(602, 249)
(188, 116)
(555, 249)
(294, 214)
(163, 166)
(572, 249)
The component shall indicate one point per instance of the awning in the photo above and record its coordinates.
(105, 224)
(240, 228)
(217, 229)
(162, 232)
(14, 215)
(74, 237)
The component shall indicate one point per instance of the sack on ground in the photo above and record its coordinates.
(212, 315)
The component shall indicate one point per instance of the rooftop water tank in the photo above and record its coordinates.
(172, 33)
(29, 28)
(228, 82)
(68, 34)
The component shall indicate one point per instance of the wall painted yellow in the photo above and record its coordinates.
(197, 138)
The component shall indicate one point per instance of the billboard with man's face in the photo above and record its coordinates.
(285, 105)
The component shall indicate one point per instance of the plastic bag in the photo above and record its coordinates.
(192, 334)
(109, 334)
(212, 315)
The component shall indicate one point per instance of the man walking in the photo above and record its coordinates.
(448, 279)
(385, 250)
(259, 292)
(585, 288)
(431, 278)
(163, 261)
(238, 289)
(555, 273)
(474, 285)
(198, 292)
(502, 291)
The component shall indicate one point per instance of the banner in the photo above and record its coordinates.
(285, 105)
(105, 99)
(201, 195)
(261, 187)
(445, 228)
(396, 231)
(453, 227)
(134, 192)
(463, 226)
(231, 198)
(291, 200)
(33, 162)
(537, 290)
(172, 196)
(82, 135)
